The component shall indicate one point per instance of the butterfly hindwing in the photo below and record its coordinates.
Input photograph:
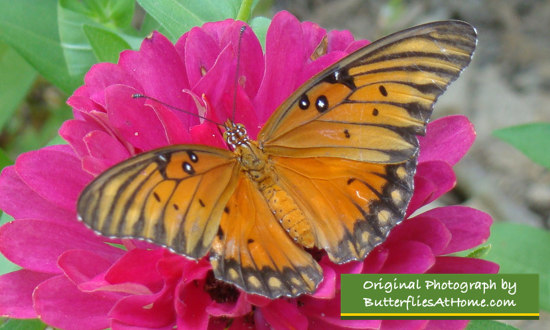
(371, 105)
(351, 205)
(173, 196)
(255, 253)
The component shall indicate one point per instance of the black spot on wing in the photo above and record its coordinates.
(321, 104)
(188, 168)
(303, 102)
(383, 90)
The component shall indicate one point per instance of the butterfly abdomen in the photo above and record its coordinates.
(281, 204)
(287, 212)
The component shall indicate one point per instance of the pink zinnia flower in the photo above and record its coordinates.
(72, 279)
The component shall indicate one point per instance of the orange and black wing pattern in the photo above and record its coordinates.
(255, 253)
(351, 206)
(172, 196)
(371, 105)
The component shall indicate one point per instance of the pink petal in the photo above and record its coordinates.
(446, 324)
(175, 130)
(36, 245)
(325, 314)
(432, 179)
(17, 288)
(284, 58)
(102, 75)
(217, 29)
(404, 324)
(356, 45)
(424, 229)
(339, 40)
(207, 134)
(191, 306)
(73, 131)
(82, 266)
(139, 266)
(217, 86)
(201, 52)
(60, 304)
(447, 139)
(258, 300)
(424, 189)
(81, 103)
(152, 311)
(461, 265)
(375, 260)
(116, 325)
(136, 122)
(173, 266)
(327, 287)
(281, 314)
(105, 147)
(313, 34)
(54, 173)
(408, 257)
(159, 69)
(469, 227)
(251, 56)
(16, 196)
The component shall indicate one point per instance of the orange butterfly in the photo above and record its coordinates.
(332, 169)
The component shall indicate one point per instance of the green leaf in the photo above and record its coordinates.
(488, 325)
(149, 25)
(479, 252)
(118, 246)
(5, 218)
(4, 159)
(259, 25)
(118, 12)
(16, 79)
(179, 16)
(522, 249)
(6, 266)
(106, 45)
(531, 139)
(30, 28)
(78, 52)
(13, 324)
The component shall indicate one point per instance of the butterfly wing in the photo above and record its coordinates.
(172, 196)
(351, 205)
(255, 253)
(344, 144)
(371, 105)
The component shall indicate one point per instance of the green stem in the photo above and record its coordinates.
(245, 10)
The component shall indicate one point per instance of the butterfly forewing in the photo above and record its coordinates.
(172, 196)
(371, 105)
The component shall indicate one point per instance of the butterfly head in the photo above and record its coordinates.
(235, 134)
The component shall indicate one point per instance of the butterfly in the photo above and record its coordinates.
(332, 169)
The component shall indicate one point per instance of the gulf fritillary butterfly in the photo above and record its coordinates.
(332, 169)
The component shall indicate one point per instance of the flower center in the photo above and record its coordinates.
(220, 291)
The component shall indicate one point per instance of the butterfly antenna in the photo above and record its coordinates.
(141, 96)
(243, 28)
